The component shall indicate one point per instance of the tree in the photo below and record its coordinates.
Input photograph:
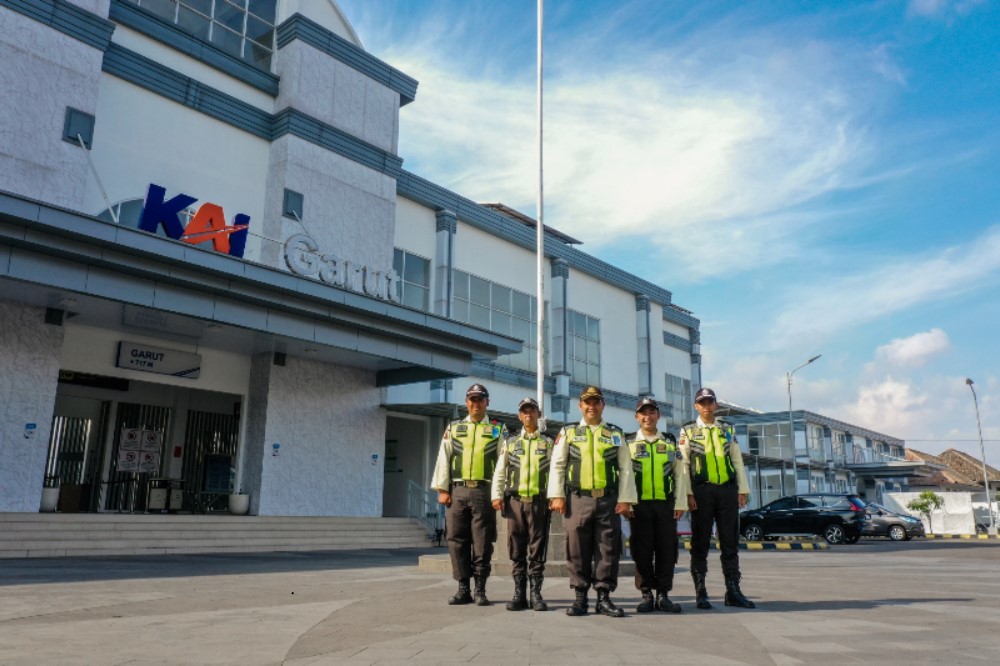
(927, 502)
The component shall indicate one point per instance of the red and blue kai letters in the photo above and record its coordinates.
(208, 223)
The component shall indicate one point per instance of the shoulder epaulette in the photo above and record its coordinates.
(725, 424)
(631, 436)
(612, 425)
(669, 437)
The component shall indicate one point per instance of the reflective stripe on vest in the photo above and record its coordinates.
(593, 461)
(710, 461)
(528, 459)
(474, 450)
(653, 465)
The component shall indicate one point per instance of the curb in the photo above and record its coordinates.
(971, 537)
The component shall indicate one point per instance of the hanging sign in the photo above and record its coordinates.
(151, 440)
(130, 440)
(128, 461)
(144, 358)
(208, 224)
(149, 462)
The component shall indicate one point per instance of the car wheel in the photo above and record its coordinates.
(897, 533)
(753, 532)
(834, 533)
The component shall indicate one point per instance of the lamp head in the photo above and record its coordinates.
(969, 382)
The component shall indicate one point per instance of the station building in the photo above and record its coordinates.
(216, 274)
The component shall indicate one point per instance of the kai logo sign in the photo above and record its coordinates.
(207, 224)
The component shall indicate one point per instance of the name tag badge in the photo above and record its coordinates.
(461, 430)
(605, 440)
(580, 439)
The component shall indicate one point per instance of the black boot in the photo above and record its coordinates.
(537, 603)
(647, 605)
(605, 606)
(734, 596)
(480, 595)
(700, 593)
(664, 603)
(579, 606)
(463, 596)
(519, 602)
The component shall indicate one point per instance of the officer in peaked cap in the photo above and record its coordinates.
(719, 489)
(592, 485)
(659, 480)
(521, 482)
(462, 476)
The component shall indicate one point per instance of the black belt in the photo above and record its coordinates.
(470, 483)
(599, 492)
(524, 498)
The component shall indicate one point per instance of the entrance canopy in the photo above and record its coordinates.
(112, 275)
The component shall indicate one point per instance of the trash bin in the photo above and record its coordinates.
(176, 495)
(158, 495)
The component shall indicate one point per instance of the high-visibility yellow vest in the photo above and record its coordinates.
(528, 458)
(710, 461)
(474, 449)
(593, 460)
(653, 464)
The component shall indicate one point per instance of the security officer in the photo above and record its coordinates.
(719, 490)
(592, 484)
(521, 481)
(462, 476)
(659, 479)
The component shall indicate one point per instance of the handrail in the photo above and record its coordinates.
(422, 504)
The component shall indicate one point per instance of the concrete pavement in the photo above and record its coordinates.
(915, 602)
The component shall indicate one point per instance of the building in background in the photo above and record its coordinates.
(825, 455)
(217, 276)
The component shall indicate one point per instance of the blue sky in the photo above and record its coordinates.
(806, 177)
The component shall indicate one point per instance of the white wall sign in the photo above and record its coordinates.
(162, 361)
(151, 440)
(149, 462)
(131, 439)
(303, 258)
(128, 461)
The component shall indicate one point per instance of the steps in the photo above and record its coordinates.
(87, 534)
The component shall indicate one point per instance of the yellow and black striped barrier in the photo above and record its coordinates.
(969, 537)
(798, 544)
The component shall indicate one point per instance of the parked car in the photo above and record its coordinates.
(883, 522)
(837, 518)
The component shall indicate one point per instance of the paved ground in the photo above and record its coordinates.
(917, 602)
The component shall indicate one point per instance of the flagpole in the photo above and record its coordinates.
(540, 230)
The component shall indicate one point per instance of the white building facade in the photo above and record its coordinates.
(216, 275)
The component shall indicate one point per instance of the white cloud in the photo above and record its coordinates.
(915, 350)
(942, 8)
(819, 311)
(723, 127)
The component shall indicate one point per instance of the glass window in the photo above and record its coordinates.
(501, 309)
(679, 397)
(414, 285)
(224, 23)
(479, 290)
(230, 15)
(501, 298)
(461, 284)
(584, 348)
(783, 503)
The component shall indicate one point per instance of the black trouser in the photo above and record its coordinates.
(654, 544)
(527, 534)
(471, 521)
(593, 541)
(718, 504)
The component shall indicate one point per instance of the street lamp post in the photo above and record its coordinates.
(791, 424)
(982, 454)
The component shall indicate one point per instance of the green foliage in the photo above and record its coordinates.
(926, 503)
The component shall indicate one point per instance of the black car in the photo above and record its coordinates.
(885, 522)
(837, 518)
